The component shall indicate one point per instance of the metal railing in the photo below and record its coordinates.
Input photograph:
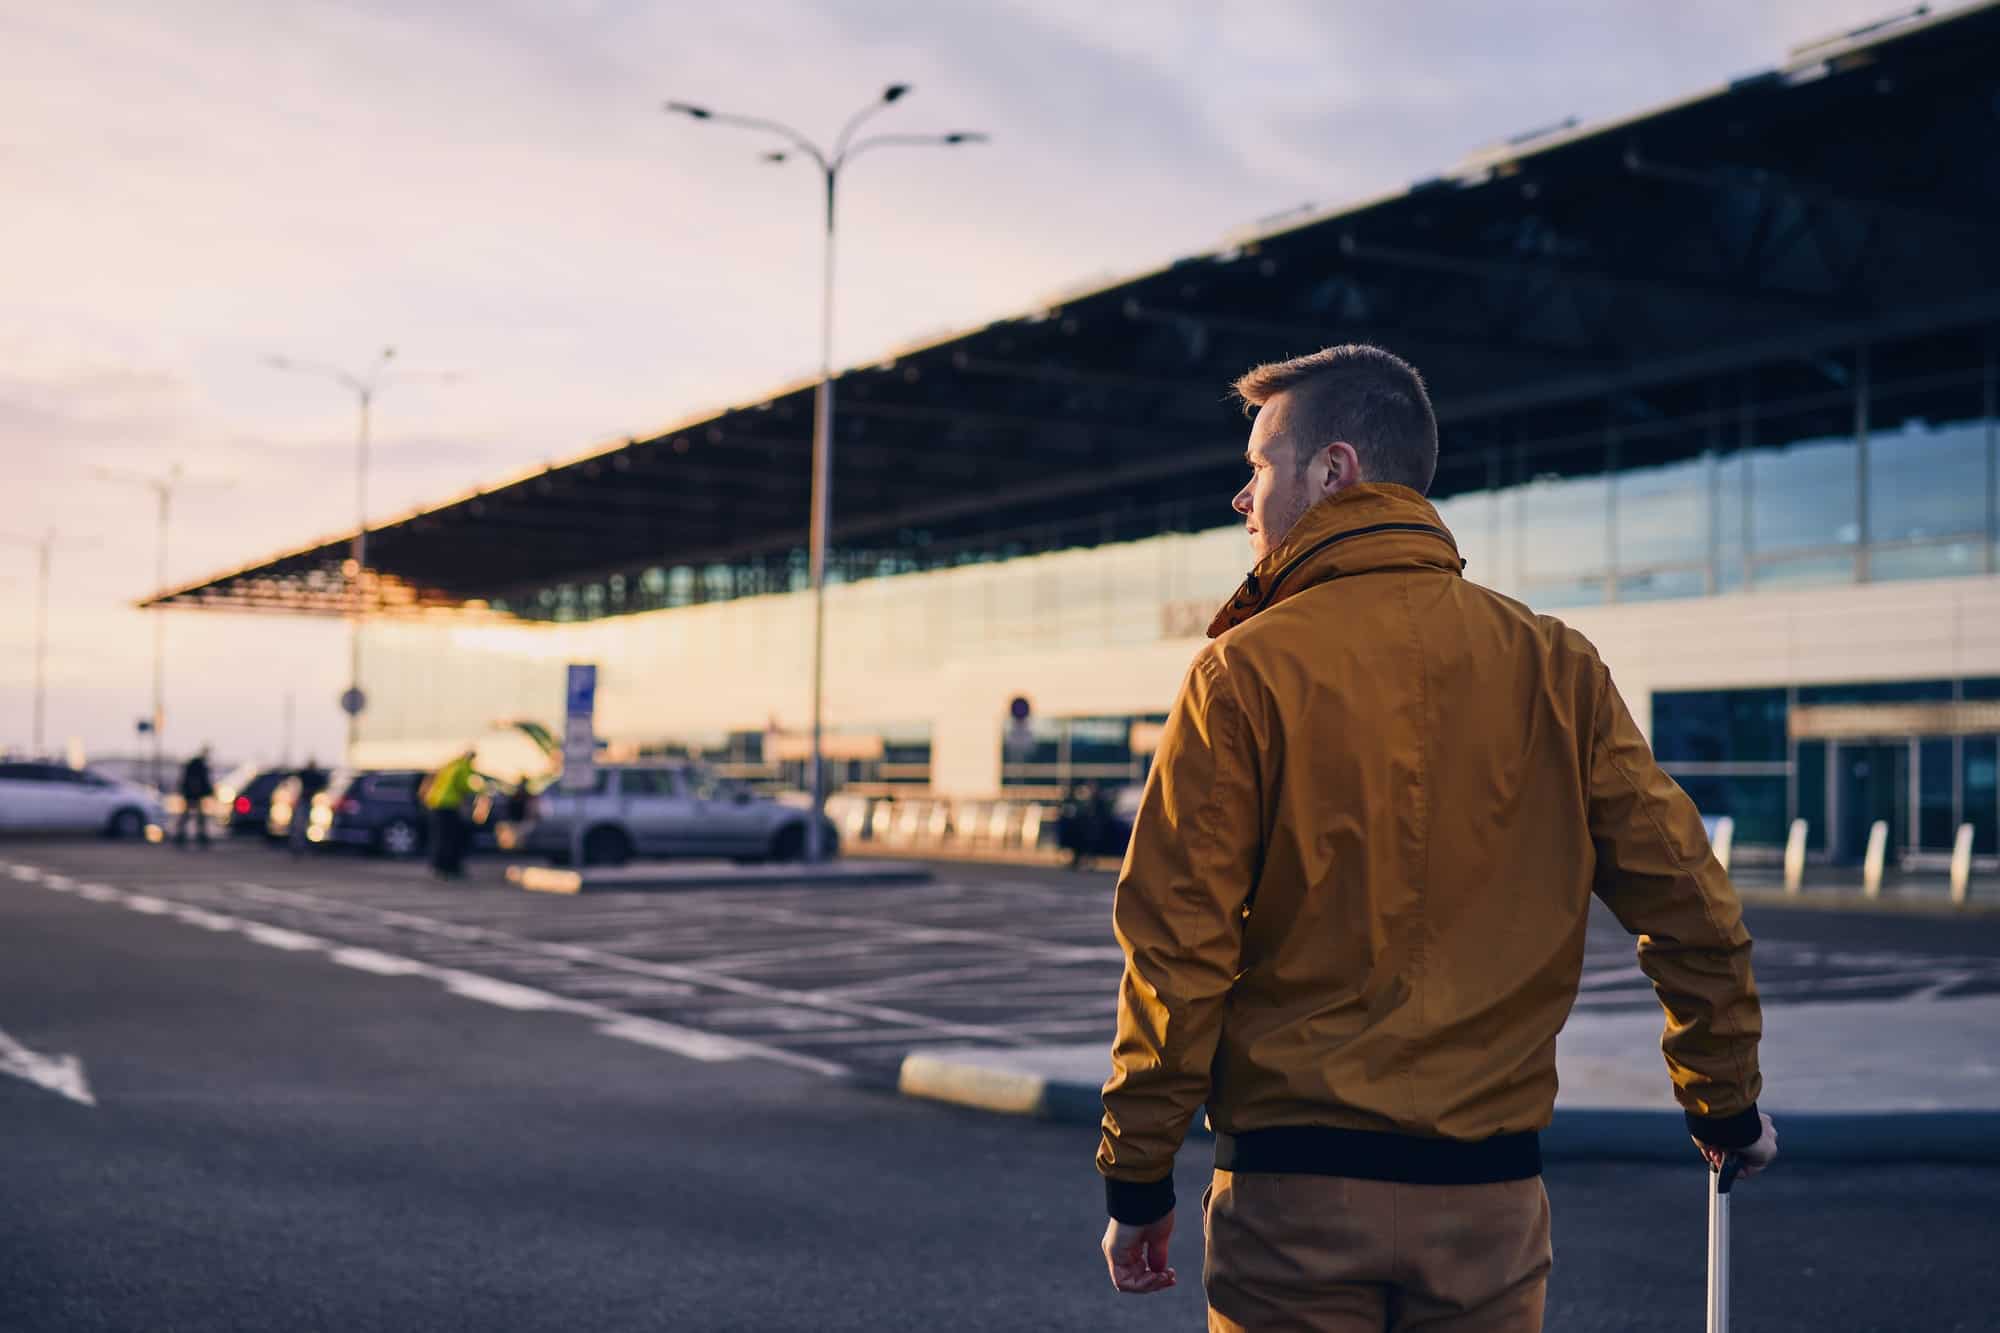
(944, 825)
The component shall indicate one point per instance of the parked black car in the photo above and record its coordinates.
(378, 811)
(249, 808)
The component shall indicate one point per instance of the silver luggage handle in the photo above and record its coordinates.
(1719, 1182)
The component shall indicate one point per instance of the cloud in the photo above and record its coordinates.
(493, 188)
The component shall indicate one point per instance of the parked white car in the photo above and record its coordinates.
(661, 809)
(37, 797)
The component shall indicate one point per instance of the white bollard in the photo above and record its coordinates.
(1961, 864)
(1871, 868)
(1795, 857)
(1723, 841)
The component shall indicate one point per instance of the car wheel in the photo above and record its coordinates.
(399, 837)
(606, 847)
(126, 823)
(789, 844)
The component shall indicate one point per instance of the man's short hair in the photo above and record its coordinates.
(1372, 399)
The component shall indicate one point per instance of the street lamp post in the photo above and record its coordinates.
(163, 491)
(44, 547)
(364, 387)
(845, 149)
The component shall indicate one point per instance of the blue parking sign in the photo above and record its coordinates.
(582, 689)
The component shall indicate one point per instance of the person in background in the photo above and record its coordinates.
(444, 794)
(1081, 827)
(196, 787)
(312, 781)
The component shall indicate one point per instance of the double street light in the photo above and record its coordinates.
(163, 488)
(845, 149)
(364, 385)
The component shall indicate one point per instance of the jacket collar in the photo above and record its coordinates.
(1364, 529)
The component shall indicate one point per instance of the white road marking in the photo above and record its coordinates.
(700, 976)
(927, 981)
(64, 1074)
(782, 1017)
(371, 960)
(278, 938)
(698, 1045)
(904, 933)
(207, 920)
(506, 994)
(60, 1074)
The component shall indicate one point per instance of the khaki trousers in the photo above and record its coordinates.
(1327, 1254)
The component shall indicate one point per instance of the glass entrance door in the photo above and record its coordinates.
(1923, 786)
(1874, 784)
(1980, 787)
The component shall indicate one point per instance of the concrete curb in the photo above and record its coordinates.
(1574, 1134)
(1888, 905)
(668, 876)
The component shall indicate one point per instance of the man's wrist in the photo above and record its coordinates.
(1731, 1133)
(1139, 1203)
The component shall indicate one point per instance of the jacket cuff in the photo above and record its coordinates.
(1731, 1132)
(1136, 1204)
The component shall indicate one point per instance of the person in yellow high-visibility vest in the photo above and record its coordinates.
(445, 793)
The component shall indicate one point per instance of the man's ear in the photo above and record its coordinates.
(1343, 467)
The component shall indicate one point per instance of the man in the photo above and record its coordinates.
(1354, 904)
(445, 793)
(1080, 830)
(196, 786)
(312, 781)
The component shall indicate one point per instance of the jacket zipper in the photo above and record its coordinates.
(1319, 546)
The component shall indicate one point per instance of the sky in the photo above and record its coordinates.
(491, 188)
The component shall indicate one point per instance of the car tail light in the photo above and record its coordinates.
(242, 805)
(350, 806)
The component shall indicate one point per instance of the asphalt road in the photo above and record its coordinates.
(849, 980)
(289, 1133)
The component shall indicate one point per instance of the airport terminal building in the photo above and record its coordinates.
(1716, 384)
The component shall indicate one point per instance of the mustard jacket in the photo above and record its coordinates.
(1355, 897)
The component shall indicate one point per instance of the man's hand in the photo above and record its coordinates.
(1756, 1157)
(1138, 1255)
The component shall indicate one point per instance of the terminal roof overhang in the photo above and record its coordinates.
(1850, 195)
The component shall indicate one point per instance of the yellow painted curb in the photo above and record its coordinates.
(543, 879)
(962, 1084)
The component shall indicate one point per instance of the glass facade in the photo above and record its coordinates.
(1842, 466)
(1063, 751)
(1837, 468)
(1734, 754)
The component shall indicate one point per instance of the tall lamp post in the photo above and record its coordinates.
(845, 149)
(364, 386)
(44, 548)
(163, 488)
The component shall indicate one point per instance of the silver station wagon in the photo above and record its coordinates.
(660, 810)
